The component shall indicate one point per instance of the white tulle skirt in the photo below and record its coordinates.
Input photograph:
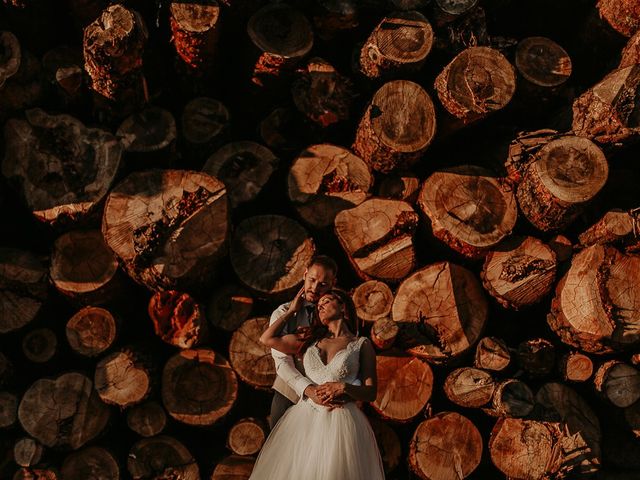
(312, 443)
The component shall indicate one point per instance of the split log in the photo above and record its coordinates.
(400, 186)
(123, 378)
(168, 227)
(40, 345)
(618, 382)
(250, 359)
(199, 387)
(397, 127)
(75, 417)
(566, 174)
(269, 254)
(575, 367)
(177, 319)
(469, 387)
(64, 168)
(511, 398)
(161, 457)
(23, 288)
(469, 209)
(447, 446)
(331, 17)
(233, 467)
(90, 462)
(616, 227)
(631, 52)
(384, 332)
(377, 236)
(388, 444)
(247, 436)
(400, 43)
(204, 125)
(244, 167)
(36, 474)
(536, 356)
(229, 307)
(146, 419)
(11, 56)
(8, 409)
(492, 354)
(441, 310)
(405, 384)
(326, 179)
(622, 15)
(373, 300)
(91, 331)
(27, 452)
(562, 247)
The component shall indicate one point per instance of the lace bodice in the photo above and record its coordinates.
(343, 367)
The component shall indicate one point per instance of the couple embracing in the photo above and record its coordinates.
(318, 431)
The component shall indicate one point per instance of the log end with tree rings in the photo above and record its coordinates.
(161, 457)
(91, 331)
(11, 57)
(575, 367)
(622, 15)
(150, 134)
(469, 208)
(511, 398)
(199, 387)
(90, 462)
(615, 227)
(195, 27)
(618, 382)
(445, 446)
(27, 452)
(64, 168)
(492, 354)
(542, 62)
(40, 345)
(236, 467)
(469, 387)
(384, 332)
(326, 179)
(122, 378)
(229, 307)
(477, 82)
(8, 409)
(442, 311)
(204, 123)
(177, 318)
(373, 300)
(244, 167)
(147, 419)
(247, 436)
(388, 442)
(377, 236)
(250, 359)
(269, 254)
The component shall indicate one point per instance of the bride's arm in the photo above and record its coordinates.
(288, 343)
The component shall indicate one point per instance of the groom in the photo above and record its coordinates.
(290, 385)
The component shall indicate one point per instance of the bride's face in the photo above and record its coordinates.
(329, 308)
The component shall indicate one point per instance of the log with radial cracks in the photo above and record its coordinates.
(161, 457)
(90, 462)
(91, 331)
(250, 359)
(229, 307)
(147, 419)
(233, 467)
(618, 382)
(247, 436)
(123, 378)
(543, 64)
(373, 300)
(492, 354)
(195, 28)
(522, 151)
(177, 318)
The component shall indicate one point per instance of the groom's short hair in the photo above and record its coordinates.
(324, 261)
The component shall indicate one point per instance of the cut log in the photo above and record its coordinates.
(332, 17)
(615, 227)
(622, 15)
(269, 254)
(36, 474)
(562, 247)
(168, 227)
(469, 387)
(456, 33)
(405, 384)
(23, 288)
(441, 310)
(384, 332)
(511, 398)
(24, 88)
(377, 236)
(542, 62)
(247, 436)
(123, 378)
(397, 127)
(199, 387)
(40, 345)
(74, 416)
(195, 28)
(204, 125)
(618, 382)
(177, 319)
(244, 167)
(326, 179)
(446, 11)
(27, 452)
(631, 52)
(575, 367)
(8, 409)
(447, 446)
(566, 174)
(388, 443)
(233, 467)
(91, 331)
(283, 129)
(399, 44)
(250, 359)
(90, 462)
(161, 457)
(536, 356)
(492, 354)
(63, 72)
(469, 209)
(373, 300)
(632, 417)
(523, 150)
(229, 307)
(147, 419)
(400, 186)
(11, 56)
(64, 168)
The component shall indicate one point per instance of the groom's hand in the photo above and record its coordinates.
(297, 302)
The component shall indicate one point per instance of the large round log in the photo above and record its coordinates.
(622, 15)
(91, 331)
(492, 354)
(469, 387)
(161, 457)
(123, 378)
(146, 419)
(229, 307)
(177, 318)
(233, 467)
(90, 462)
(195, 28)
(388, 443)
(250, 359)
(40, 345)
(247, 436)
(618, 382)
(373, 300)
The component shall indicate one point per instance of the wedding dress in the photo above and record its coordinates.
(311, 442)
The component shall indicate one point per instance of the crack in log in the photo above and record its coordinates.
(406, 224)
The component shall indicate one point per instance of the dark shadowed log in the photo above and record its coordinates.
(622, 15)
(377, 236)
(65, 168)
(565, 175)
(91, 331)
(388, 443)
(575, 367)
(373, 300)
(405, 384)
(618, 382)
(468, 208)
(204, 125)
(492, 354)
(168, 227)
(27, 452)
(616, 227)
(229, 306)
(85, 11)
(467, 30)
(447, 446)
(536, 356)
(269, 254)
(251, 360)
(331, 17)
(123, 378)
(326, 179)
(632, 417)
(36, 474)
(146, 419)
(446, 11)
(161, 457)
(469, 387)
(384, 332)
(198, 387)
(90, 462)
(40, 345)
(247, 436)
(400, 186)
(397, 126)
(11, 56)
(233, 467)
(65, 78)
(177, 318)
(244, 167)
(283, 129)
(562, 247)
(23, 288)
(511, 398)
(631, 52)
(399, 44)
(8, 409)
(24, 87)
(75, 417)
(441, 310)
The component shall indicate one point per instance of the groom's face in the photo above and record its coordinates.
(318, 280)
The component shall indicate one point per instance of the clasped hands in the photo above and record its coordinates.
(330, 394)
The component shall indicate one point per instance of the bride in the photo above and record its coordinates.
(332, 440)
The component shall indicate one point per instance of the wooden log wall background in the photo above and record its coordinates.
(168, 168)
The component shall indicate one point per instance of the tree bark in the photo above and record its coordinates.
(147, 419)
(91, 331)
(40, 345)
(123, 378)
(178, 319)
(36, 474)
(247, 436)
(492, 354)
(618, 382)
(161, 457)
(90, 462)
(631, 52)
(469, 387)
(251, 360)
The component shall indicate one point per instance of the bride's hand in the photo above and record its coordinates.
(330, 392)
(297, 302)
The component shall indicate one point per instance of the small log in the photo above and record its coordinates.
(204, 125)
(622, 15)
(40, 345)
(575, 367)
(147, 419)
(64, 168)
(199, 387)
(397, 127)
(618, 382)
(123, 378)
(11, 57)
(167, 227)
(631, 52)
(441, 310)
(384, 332)
(536, 356)
(75, 417)
(161, 457)
(233, 467)
(566, 174)
(36, 474)
(250, 359)
(373, 300)
(269, 254)
(91, 331)
(377, 236)
(469, 387)
(511, 398)
(177, 318)
(562, 247)
(405, 384)
(400, 43)
(447, 11)
(229, 307)
(27, 452)
(492, 354)
(400, 186)
(326, 179)
(90, 462)
(469, 209)
(8, 409)
(332, 17)
(247, 436)
(244, 167)
(445, 446)
(388, 443)
(615, 227)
